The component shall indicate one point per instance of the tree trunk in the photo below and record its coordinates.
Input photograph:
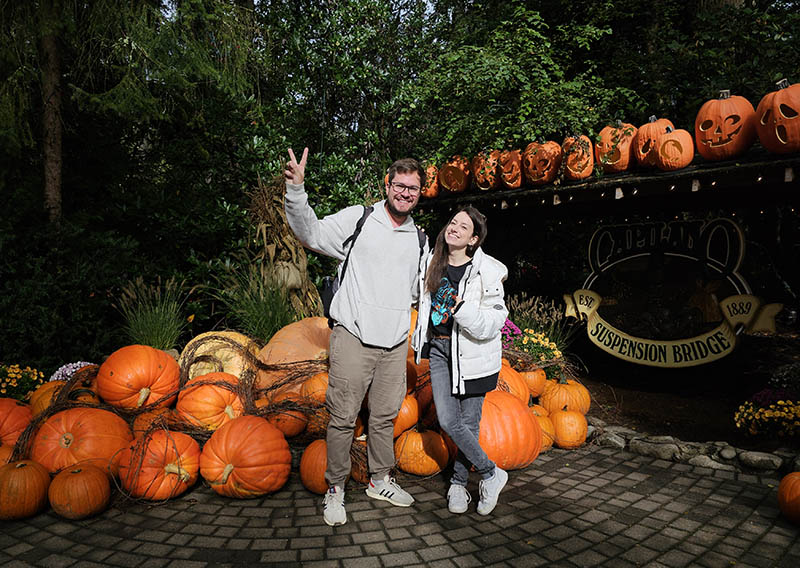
(51, 113)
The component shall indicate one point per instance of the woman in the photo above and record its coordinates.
(461, 312)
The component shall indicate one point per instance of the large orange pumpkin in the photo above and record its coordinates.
(541, 162)
(644, 145)
(570, 428)
(421, 452)
(614, 149)
(81, 435)
(511, 381)
(562, 392)
(408, 416)
(225, 356)
(246, 457)
(789, 496)
(725, 127)
(509, 434)
(675, 149)
(14, 418)
(138, 375)
(454, 176)
(579, 157)
(313, 464)
(485, 169)
(159, 466)
(205, 401)
(304, 340)
(79, 492)
(23, 489)
(778, 119)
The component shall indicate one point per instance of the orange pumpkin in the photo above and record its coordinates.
(5, 454)
(313, 464)
(79, 436)
(511, 381)
(570, 428)
(318, 421)
(778, 119)
(44, 395)
(159, 417)
(408, 416)
(421, 453)
(485, 169)
(305, 340)
(675, 149)
(509, 434)
(227, 352)
(548, 430)
(789, 496)
(138, 375)
(315, 388)
(359, 468)
(283, 412)
(205, 401)
(614, 148)
(511, 168)
(159, 466)
(579, 157)
(542, 162)
(431, 187)
(14, 418)
(247, 457)
(454, 176)
(644, 145)
(79, 492)
(23, 489)
(536, 380)
(725, 127)
(562, 392)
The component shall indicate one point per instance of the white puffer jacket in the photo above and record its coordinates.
(476, 344)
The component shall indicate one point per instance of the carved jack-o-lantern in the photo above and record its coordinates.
(777, 120)
(614, 150)
(644, 147)
(541, 162)
(725, 127)
(485, 168)
(578, 153)
(431, 188)
(454, 176)
(675, 149)
(511, 168)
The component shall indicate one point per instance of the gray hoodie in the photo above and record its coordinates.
(374, 299)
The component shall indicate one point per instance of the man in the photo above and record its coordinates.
(371, 311)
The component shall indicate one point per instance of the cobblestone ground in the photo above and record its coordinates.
(589, 507)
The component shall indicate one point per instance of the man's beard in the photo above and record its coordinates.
(390, 206)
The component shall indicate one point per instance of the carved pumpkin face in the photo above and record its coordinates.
(511, 168)
(485, 169)
(579, 156)
(644, 144)
(778, 123)
(675, 150)
(724, 127)
(541, 162)
(454, 175)
(431, 188)
(614, 149)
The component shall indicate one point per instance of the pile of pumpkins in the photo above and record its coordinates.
(129, 424)
(725, 127)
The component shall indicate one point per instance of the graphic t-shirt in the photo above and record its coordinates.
(443, 301)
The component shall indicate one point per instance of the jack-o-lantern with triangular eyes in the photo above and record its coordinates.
(485, 169)
(511, 168)
(541, 162)
(725, 127)
(674, 149)
(778, 119)
(614, 148)
(454, 176)
(579, 157)
(644, 144)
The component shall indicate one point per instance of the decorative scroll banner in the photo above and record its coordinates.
(742, 313)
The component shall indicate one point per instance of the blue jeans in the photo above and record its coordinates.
(459, 416)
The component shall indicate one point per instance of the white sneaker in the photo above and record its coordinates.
(490, 489)
(387, 489)
(333, 507)
(458, 499)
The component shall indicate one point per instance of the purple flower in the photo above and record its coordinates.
(509, 331)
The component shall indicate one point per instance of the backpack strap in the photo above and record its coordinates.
(352, 238)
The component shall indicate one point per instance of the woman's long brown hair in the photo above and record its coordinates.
(438, 265)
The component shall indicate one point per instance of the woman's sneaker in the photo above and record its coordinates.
(458, 499)
(387, 489)
(490, 489)
(333, 507)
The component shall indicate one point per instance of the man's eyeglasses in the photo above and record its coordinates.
(401, 187)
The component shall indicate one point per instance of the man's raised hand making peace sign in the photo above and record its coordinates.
(296, 171)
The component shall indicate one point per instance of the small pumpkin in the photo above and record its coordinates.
(455, 175)
(207, 402)
(509, 434)
(725, 127)
(570, 428)
(778, 119)
(313, 464)
(284, 412)
(541, 162)
(315, 388)
(789, 496)
(79, 492)
(23, 489)
(511, 168)
(157, 417)
(548, 430)
(421, 452)
(675, 149)
(562, 392)
(44, 395)
(159, 466)
(138, 375)
(431, 187)
(536, 380)
(14, 418)
(247, 457)
(579, 157)
(407, 416)
(485, 169)
(644, 145)
(614, 147)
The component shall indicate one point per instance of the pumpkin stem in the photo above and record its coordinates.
(66, 439)
(143, 394)
(182, 474)
(227, 472)
(230, 412)
(782, 84)
(725, 94)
